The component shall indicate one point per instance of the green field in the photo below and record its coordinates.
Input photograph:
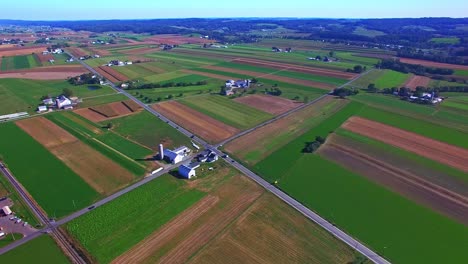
(344, 198)
(40, 250)
(122, 145)
(161, 94)
(82, 133)
(361, 31)
(461, 72)
(19, 62)
(391, 79)
(110, 230)
(103, 99)
(453, 40)
(148, 130)
(57, 189)
(9, 238)
(227, 111)
(17, 95)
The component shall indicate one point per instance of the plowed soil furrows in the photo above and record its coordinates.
(447, 154)
(412, 186)
(115, 74)
(434, 64)
(44, 58)
(77, 52)
(146, 248)
(296, 68)
(108, 111)
(101, 173)
(196, 122)
(416, 81)
(270, 104)
(16, 51)
(275, 77)
(106, 75)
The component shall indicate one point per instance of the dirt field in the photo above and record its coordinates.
(377, 168)
(185, 235)
(434, 64)
(271, 104)
(45, 58)
(46, 73)
(15, 51)
(101, 173)
(296, 68)
(416, 81)
(444, 153)
(196, 122)
(262, 142)
(275, 77)
(77, 52)
(109, 111)
(106, 75)
(112, 74)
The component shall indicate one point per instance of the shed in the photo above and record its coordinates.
(42, 108)
(188, 171)
(6, 210)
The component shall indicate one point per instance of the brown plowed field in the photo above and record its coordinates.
(196, 122)
(15, 51)
(320, 85)
(109, 111)
(412, 186)
(77, 52)
(211, 75)
(45, 58)
(271, 104)
(434, 64)
(101, 173)
(416, 81)
(109, 72)
(296, 68)
(158, 239)
(262, 141)
(46, 73)
(106, 75)
(444, 153)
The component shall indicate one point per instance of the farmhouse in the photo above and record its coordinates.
(42, 108)
(207, 156)
(177, 155)
(188, 171)
(232, 85)
(6, 210)
(48, 101)
(63, 102)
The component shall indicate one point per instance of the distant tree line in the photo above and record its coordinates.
(311, 147)
(357, 69)
(343, 92)
(165, 85)
(397, 65)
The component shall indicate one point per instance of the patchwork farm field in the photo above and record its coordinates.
(100, 172)
(259, 144)
(40, 250)
(227, 111)
(20, 62)
(17, 95)
(269, 104)
(401, 239)
(52, 191)
(391, 79)
(196, 122)
(162, 199)
(109, 111)
(149, 131)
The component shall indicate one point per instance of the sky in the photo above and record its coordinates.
(144, 9)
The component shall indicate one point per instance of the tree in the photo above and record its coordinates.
(67, 92)
(371, 88)
(110, 125)
(320, 139)
(331, 54)
(358, 69)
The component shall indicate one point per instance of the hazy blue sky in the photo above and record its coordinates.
(127, 9)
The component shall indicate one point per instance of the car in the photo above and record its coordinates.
(192, 136)
(25, 223)
(18, 221)
(91, 207)
(225, 156)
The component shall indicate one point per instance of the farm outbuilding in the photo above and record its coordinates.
(188, 171)
(6, 210)
(177, 155)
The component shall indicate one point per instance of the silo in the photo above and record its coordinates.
(161, 152)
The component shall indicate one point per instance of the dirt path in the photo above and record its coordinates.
(270, 76)
(447, 154)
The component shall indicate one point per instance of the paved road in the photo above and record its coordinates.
(283, 196)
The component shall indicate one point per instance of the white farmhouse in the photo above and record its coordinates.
(62, 101)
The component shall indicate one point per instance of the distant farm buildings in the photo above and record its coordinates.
(207, 156)
(63, 102)
(6, 210)
(232, 85)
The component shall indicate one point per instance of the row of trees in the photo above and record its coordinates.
(343, 92)
(165, 85)
(86, 78)
(399, 66)
(357, 69)
(311, 147)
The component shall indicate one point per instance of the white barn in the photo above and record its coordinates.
(188, 171)
(62, 101)
(6, 210)
(177, 155)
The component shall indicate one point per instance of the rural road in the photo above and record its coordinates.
(371, 255)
